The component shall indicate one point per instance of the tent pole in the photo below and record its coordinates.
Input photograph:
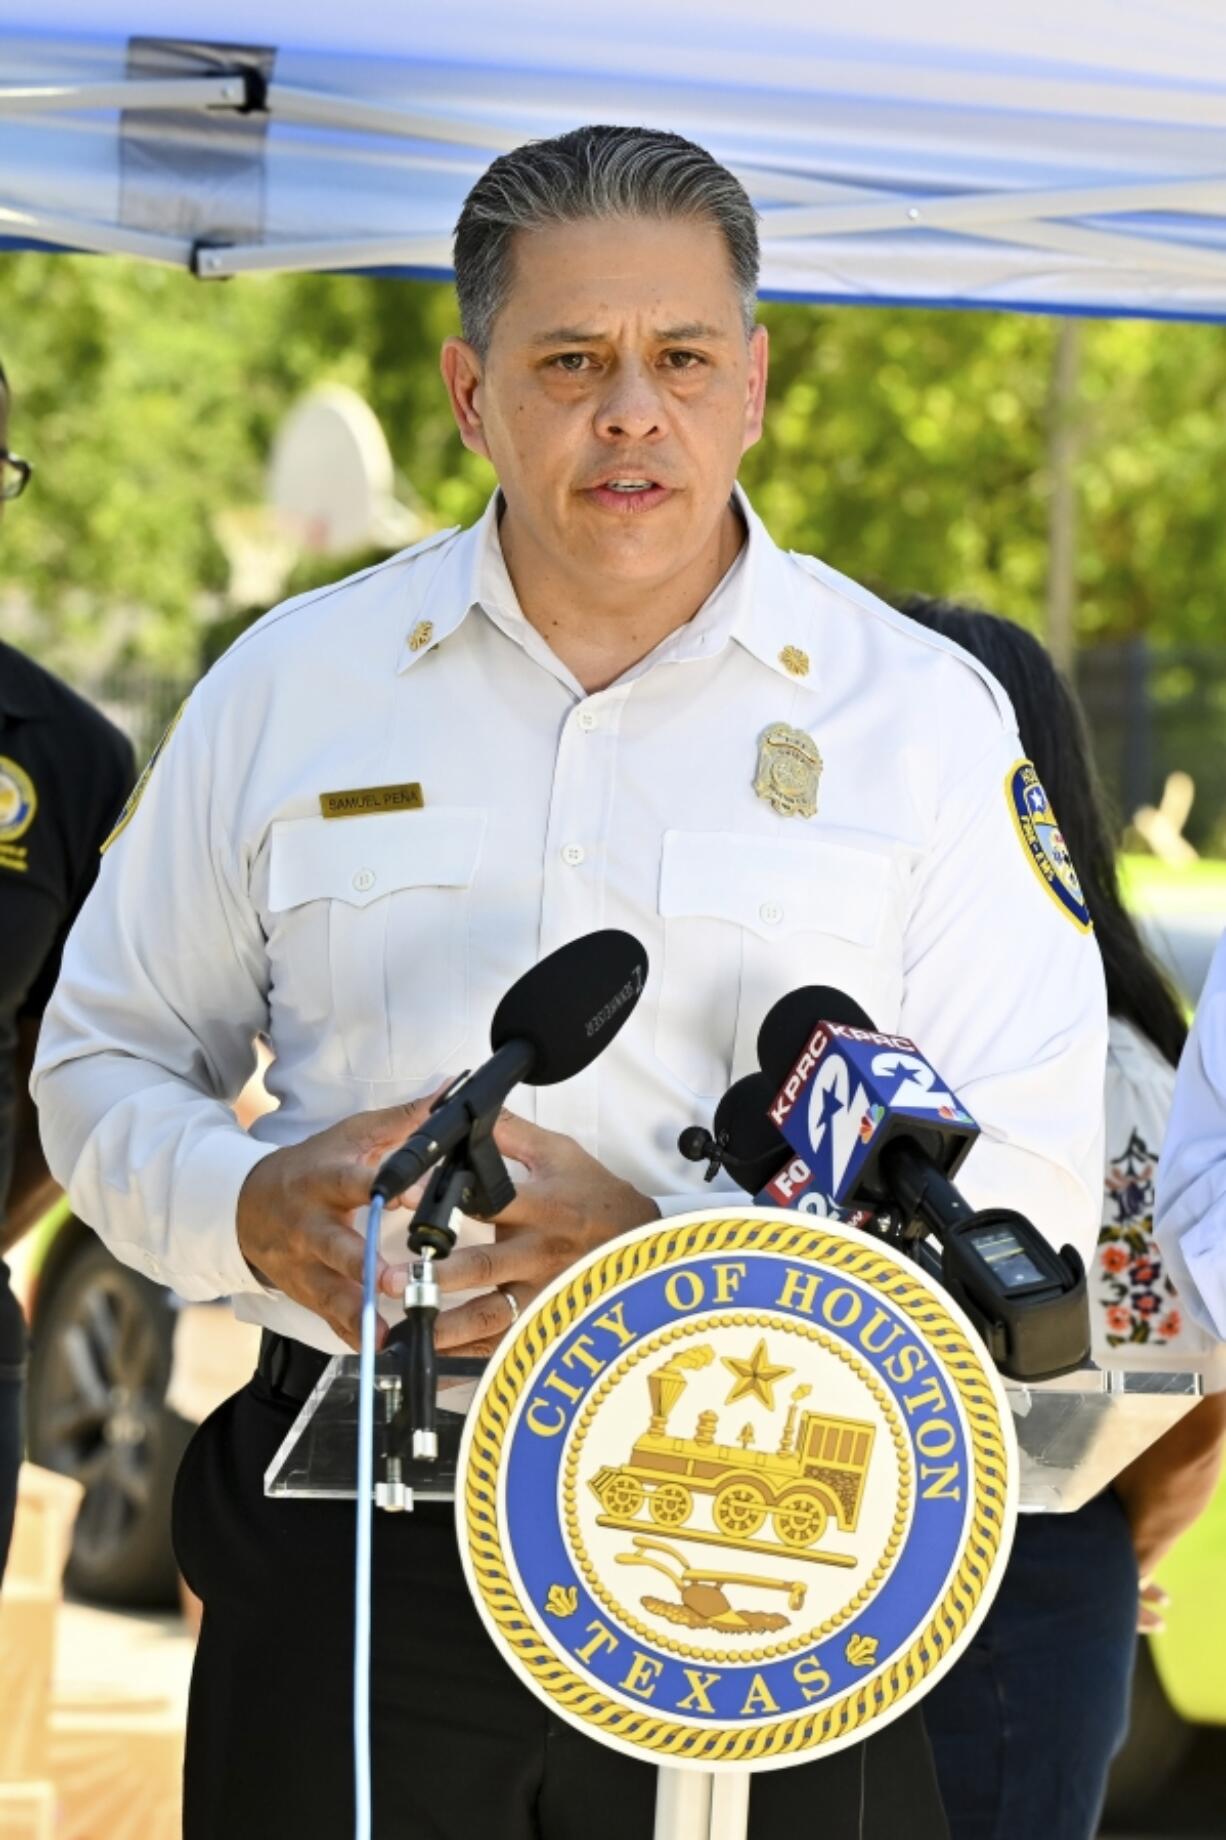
(133, 93)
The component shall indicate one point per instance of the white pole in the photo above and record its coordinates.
(683, 1804)
(730, 1806)
(692, 1805)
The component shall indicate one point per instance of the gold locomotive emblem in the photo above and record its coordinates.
(817, 1473)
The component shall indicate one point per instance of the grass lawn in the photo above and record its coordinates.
(1151, 886)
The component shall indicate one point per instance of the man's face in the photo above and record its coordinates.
(618, 394)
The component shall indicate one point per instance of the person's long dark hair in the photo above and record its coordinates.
(1053, 732)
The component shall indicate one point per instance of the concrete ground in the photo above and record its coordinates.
(132, 1653)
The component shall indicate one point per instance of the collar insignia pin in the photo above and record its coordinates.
(794, 661)
(421, 635)
(789, 771)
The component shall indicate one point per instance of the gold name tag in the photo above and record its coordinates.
(364, 799)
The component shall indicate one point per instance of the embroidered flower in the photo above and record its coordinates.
(1171, 1324)
(1146, 1271)
(1115, 1258)
(1145, 1303)
(1119, 1319)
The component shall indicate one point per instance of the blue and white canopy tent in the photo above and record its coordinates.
(1041, 156)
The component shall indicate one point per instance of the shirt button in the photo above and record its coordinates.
(364, 879)
(587, 720)
(771, 912)
(573, 854)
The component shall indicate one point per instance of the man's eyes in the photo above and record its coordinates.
(574, 363)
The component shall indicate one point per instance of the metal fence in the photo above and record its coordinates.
(1153, 711)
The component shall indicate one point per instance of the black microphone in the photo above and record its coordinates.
(743, 1139)
(548, 1027)
(1027, 1300)
(790, 1023)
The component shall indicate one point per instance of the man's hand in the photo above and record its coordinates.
(296, 1208)
(569, 1204)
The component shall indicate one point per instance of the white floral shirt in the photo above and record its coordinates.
(1137, 1319)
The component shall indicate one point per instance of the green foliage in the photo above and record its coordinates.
(148, 402)
(908, 447)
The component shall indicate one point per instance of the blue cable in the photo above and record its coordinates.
(366, 1513)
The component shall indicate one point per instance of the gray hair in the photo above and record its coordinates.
(595, 172)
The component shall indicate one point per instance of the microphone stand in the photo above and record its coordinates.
(473, 1177)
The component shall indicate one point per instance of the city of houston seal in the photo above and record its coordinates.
(737, 1489)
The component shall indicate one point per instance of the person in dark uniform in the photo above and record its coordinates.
(64, 774)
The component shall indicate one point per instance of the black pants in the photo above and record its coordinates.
(1025, 1726)
(12, 1403)
(462, 1751)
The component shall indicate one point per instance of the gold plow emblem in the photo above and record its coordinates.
(704, 1604)
(789, 771)
(816, 1474)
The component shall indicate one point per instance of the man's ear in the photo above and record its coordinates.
(463, 374)
(755, 389)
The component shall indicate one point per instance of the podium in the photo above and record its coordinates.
(737, 1490)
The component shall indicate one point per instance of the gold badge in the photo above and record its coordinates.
(362, 800)
(789, 771)
(421, 635)
(794, 661)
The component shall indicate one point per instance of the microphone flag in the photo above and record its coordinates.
(850, 1093)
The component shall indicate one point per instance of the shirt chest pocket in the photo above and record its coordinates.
(747, 919)
(369, 923)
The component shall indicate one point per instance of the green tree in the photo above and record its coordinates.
(908, 447)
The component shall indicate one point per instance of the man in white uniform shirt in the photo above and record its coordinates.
(596, 693)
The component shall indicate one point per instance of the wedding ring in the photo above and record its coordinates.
(514, 1307)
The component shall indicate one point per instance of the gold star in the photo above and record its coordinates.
(754, 1377)
(794, 660)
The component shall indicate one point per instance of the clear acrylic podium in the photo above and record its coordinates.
(1073, 1434)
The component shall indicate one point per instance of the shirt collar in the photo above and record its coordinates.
(22, 691)
(755, 604)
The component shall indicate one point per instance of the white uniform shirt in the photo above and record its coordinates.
(1191, 1211)
(373, 950)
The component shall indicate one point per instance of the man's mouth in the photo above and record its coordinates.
(628, 493)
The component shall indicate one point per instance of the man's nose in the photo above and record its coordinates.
(631, 407)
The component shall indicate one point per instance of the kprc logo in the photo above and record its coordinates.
(837, 1102)
(821, 1039)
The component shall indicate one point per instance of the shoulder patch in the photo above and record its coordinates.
(138, 791)
(18, 804)
(1036, 825)
(18, 800)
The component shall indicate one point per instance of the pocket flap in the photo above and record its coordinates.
(775, 888)
(359, 860)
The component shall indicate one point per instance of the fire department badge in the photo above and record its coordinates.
(789, 771)
(737, 1489)
(1045, 845)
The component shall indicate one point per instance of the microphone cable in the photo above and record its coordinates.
(363, 1569)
